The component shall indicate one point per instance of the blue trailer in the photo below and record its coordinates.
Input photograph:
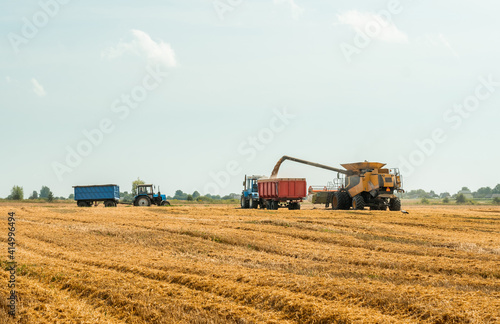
(86, 196)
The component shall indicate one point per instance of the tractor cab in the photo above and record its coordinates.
(145, 190)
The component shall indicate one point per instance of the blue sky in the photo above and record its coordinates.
(358, 80)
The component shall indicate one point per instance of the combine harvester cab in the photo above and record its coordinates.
(86, 196)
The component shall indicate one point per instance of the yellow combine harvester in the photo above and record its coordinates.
(365, 184)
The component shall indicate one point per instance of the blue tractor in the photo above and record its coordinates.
(250, 193)
(145, 196)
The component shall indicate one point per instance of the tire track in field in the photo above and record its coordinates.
(115, 238)
(420, 265)
(464, 284)
(184, 279)
(261, 298)
(424, 263)
(186, 303)
(39, 303)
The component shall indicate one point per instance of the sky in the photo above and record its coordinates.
(194, 94)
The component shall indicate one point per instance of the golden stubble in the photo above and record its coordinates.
(221, 264)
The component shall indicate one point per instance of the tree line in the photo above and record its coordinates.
(17, 193)
(481, 193)
(465, 195)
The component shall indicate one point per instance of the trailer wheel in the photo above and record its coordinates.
(109, 203)
(276, 205)
(143, 201)
(81, 203)
(358, 203)
(395, 204)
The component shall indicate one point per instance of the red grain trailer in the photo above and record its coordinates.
(282, 192)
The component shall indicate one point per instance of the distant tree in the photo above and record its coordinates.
(71, 197)
(196, 195)
(50, 197)
(496, 190)
(180, 195)
(496, 201)
(17, 193)
(216, 197)
(446, 200)
(134, 185)
(483, 192)
(189, 198)
(432, 194)
(465, 189)
(126, 197)
(420, 193)
(445, 195)
(424, 201)
(44, 192)
(34, 195)
(461, 199)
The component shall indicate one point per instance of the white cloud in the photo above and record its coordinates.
(37, 88)
(142, 45)
(368, 22)
(297, 11)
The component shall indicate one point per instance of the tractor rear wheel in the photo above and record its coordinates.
(395, 204)
(143, 201)
(358, 203)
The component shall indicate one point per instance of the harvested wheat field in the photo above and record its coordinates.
(211, 264)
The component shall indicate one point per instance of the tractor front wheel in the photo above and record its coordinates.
(244, 202)
(165, 203)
